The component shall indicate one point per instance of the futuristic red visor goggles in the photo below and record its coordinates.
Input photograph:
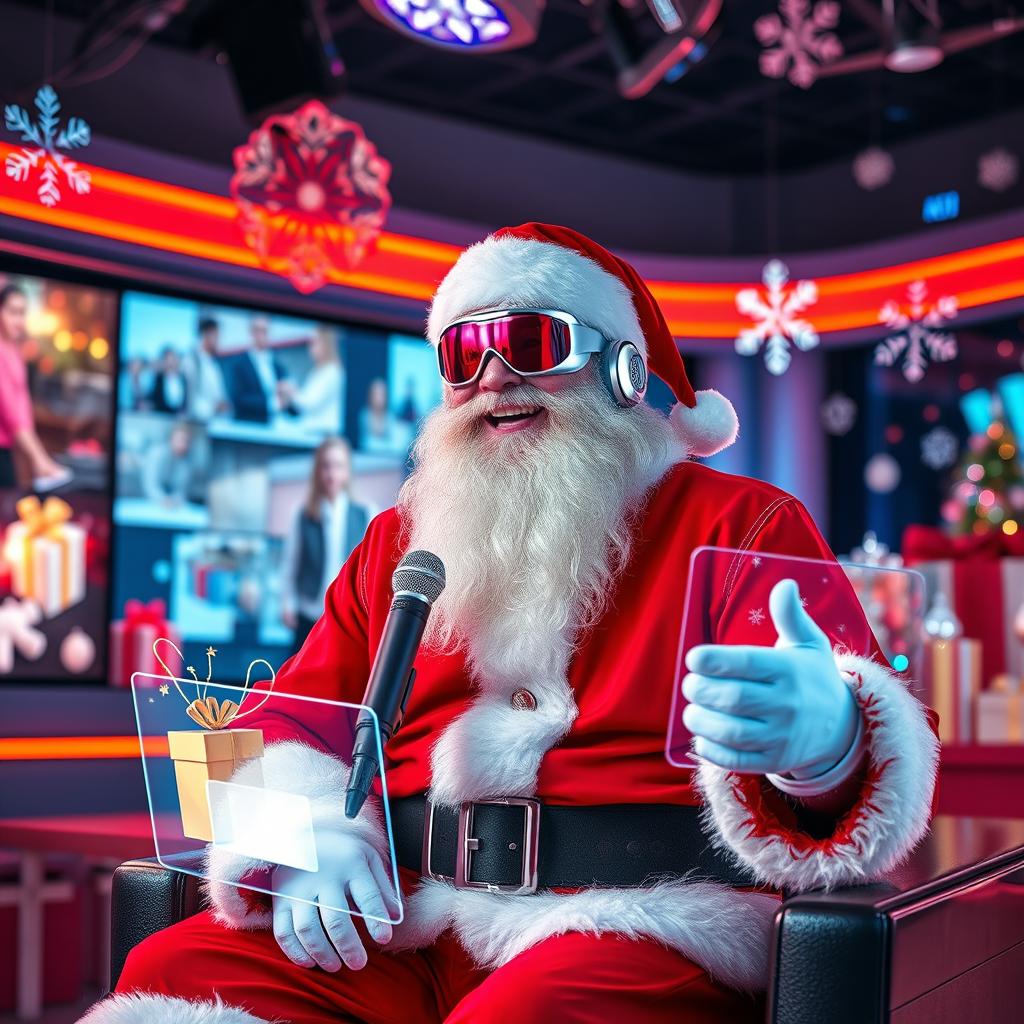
(530, 342)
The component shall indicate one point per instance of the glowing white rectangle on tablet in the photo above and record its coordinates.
(265, 824)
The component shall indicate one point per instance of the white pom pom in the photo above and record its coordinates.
(708, 427)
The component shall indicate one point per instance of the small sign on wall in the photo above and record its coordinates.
(941, 206)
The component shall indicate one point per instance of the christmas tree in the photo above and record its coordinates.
(988, 492)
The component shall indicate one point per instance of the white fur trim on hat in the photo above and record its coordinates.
(888, 819)
(141, 1008)
(513, 273)
(296, 768)
(708, 427)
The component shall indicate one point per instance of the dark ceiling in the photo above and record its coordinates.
(721, 117)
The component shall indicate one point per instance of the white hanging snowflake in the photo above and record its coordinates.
(918, 339)
(755, 616)
(998, 169)
(777, 323)
(873, 168)
(838, 414)
(939, 448)
(43, 140)
(798, 40)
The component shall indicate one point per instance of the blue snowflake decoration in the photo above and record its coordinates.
(43, 140)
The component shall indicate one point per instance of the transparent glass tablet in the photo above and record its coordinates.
(876, 612)
(263, 821)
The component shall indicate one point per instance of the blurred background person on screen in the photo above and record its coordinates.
(17, 423)
(326, 530)
(207, 396)
(170, 388)
(409, 409)
(135, 385)
(316, 402)
(168, 471)
(254, 376)
(381, 432)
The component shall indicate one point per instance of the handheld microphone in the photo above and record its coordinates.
(417, 583)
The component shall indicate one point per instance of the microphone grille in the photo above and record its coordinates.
(420, 572)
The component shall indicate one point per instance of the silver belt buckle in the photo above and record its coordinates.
(468, 844)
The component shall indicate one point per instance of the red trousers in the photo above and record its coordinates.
(572, 977)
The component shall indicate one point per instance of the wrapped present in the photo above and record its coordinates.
(211, 753)
(132, 639)
(46, 552)
(951, 679)
(983, 577)
(1001, 711)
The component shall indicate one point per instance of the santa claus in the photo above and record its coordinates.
(565, 510)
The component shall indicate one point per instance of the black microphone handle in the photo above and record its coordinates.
(386, 692)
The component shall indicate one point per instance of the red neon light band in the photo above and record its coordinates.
(170, 218)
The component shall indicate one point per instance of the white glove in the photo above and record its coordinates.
(770, 710)
(350, 869)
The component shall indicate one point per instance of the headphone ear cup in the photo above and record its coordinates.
(625, 373)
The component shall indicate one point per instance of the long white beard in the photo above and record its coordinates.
(532, 526)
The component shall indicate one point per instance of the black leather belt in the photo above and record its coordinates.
(518, 845)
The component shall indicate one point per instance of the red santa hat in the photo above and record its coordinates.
(545, 266)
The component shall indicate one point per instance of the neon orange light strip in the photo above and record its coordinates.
(170, 218)
(78, 748)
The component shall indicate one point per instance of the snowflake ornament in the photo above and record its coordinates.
(998, 170)
(755, 616)
(838, 414)
(939, 448)
(873, 168)
(44, 138)
(798, 40)
(777, 323)
(918, 338)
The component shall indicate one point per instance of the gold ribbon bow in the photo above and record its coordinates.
(208, 712)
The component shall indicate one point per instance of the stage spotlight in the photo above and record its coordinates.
(642, 62)
(913, 36)
(480, 25)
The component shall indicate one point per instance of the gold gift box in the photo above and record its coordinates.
(201, 755)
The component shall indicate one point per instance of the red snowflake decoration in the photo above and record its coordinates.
(312, 194)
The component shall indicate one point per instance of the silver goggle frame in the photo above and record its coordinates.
(583, 343)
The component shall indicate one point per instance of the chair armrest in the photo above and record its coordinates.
(147, 897)
(856, 955)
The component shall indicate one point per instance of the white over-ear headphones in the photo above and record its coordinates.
(624, 373)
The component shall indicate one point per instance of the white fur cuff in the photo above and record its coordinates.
(138, 1008)
(890, 816)
(296, 768)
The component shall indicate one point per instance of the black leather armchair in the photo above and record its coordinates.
(940, 941)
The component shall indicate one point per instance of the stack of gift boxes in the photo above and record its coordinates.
(973, 673)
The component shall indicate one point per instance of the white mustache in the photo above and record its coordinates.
(517, 397)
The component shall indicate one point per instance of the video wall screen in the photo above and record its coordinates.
(252, 451)
(56, 424)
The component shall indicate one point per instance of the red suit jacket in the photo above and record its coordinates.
(598, 737)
